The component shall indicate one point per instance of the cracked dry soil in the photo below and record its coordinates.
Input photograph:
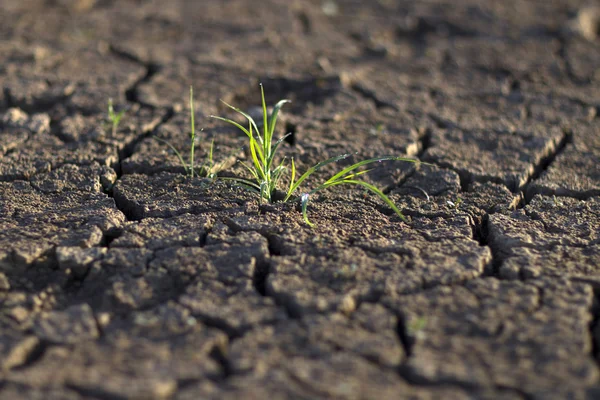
(122, 279)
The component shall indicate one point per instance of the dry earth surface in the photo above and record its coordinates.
(120, 278)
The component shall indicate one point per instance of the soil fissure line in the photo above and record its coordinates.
(417, 381)
(545, 163)
(372, 96)
(425, 142)
(131, 94)
(404, 337)
(594, 326)
(93, 393)
(220, 356)
(132, 97)
(480, 230)
(38, 106)
(151, 70)
(562, 54)
(124, 54)
(260, 279)
(263, 270)
(467, 178)
(34, 355)
(128, 151)
(260, 276)
(443, 123)
(305, 22)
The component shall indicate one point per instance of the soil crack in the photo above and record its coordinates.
(220, 356)
(372, 96)
(480, 229)
(594, 326)
(407, 340)
(562, 54)
(34, 355)
(543, 165)
(151, 70)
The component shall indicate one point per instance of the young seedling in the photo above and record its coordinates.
(113, 117)
(206, 169)
(416, 327)
(456, 203)
(266, 175)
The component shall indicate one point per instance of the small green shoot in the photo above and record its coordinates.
(455, 204)
(114, 118)
(377, 130)
(206, 169)
(346, 271)
(266, 176)
(416, 327)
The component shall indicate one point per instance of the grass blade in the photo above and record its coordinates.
(252, 171)
(211, 151)
(115, 119)
(274, 151)
(355, 174)
(207, 166)
(368, 186)
(311, 170)
(257, 156)
(293, 177)
(274, 114)
(365, 162)
(266, 135)
(264, 192)
(177, 153)
(193, 131)
(111, 110)
(304, 203)
(276, 176)
(246, 115)
(246, 131)
(232, 122)
(245, 182)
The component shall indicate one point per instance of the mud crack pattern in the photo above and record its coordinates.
(120, 278)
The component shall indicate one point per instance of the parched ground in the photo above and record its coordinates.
(120, 278)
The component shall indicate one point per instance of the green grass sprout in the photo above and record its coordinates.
(416, 327)
(456, 203)
(207, 168)
(266, 176)
(113, 117)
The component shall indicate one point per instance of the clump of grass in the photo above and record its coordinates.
(266, 175)
(207, 168)
(114, 118)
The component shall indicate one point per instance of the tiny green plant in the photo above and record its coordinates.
(346, 271)
(456, 203)
(114, 118)
(378, 129)
(206, 169)
(416, 327)
(266, 175)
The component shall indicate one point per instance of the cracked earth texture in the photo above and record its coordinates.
(120, 278)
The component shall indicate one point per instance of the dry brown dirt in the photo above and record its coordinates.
(120, 278)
